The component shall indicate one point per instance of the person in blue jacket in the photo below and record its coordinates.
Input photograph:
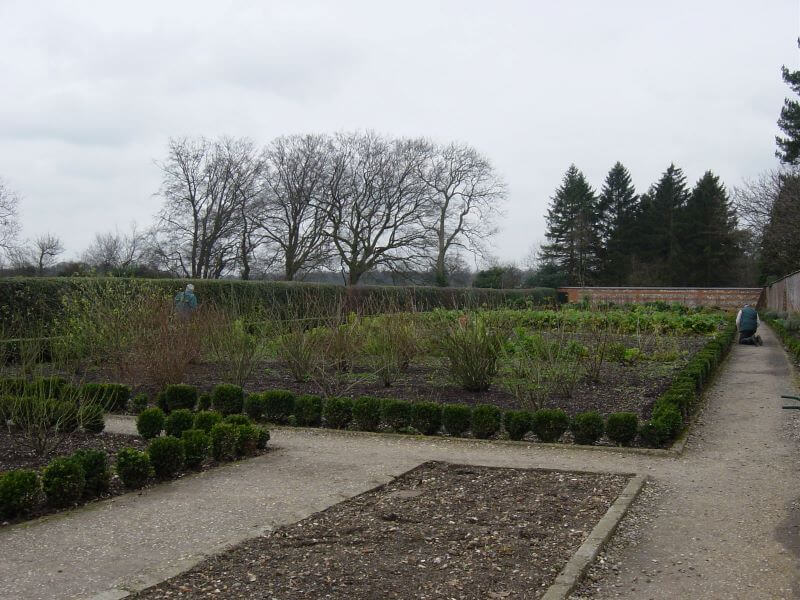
(186, 301)
(747, 322)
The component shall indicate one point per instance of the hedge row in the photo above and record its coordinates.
(673, 409)
(36, 302)
(86, 474)
(786, 336)
(113, 397)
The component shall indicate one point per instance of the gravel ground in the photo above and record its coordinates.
(438, 531)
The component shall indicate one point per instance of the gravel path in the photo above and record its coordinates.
(722, 524)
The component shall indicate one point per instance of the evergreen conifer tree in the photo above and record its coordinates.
(709, 245)
(573, 231)
(617, 211)
(780, 244)
(789, 121)
(658, 229)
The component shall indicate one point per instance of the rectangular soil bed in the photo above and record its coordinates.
(438, 531)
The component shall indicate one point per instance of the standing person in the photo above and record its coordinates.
(185, 301)
(747, 322)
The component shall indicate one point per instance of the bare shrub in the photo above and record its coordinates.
(392, 342)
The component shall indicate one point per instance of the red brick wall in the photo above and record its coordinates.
(784, 294)
(722, 297)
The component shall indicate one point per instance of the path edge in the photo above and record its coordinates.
(569, 577)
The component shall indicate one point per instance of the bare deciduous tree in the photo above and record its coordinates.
(374, 203)
(200, 229)
(9, 220)
(45, 250)
(115, 250)
(465, 197)
(292, 214)
(754, 199)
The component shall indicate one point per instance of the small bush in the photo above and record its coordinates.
(150, 422)
(196, 444)
(204, 401)
(263, 437)
(223, 441)
(653, 433)
(472, 350)
(133, 467)
(549, 424)
(485, 421)
(367, 413)
(669, 416)
(227, 399)
(95, 470)
(517, 423)
(426, 417)
(206, 419)
(246, 440)
(396, 414)
(167, 455)
(278, 405)
(47, 387)
(178, 421)
(19, 492)
(308, 410)
(180, 395)
(139, 404)
(92, 417)
(621, 427)
(254, 406)
(63, 482)
(116, 396)
(587, 427)
(338, 412)
(456, 418)
(238, 420)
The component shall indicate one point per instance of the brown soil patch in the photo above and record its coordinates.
(438, 531)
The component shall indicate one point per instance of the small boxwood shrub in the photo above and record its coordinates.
(278, 405)
(19, 492)
(338, 412)
(367, 413)
(485, 421)
(223, 441)
(133, 467)
(238, 420)
(549, 424)
(178, 421)
(426, 417)
(139, 403)
(47, 387)
(113, 396)
(254, 406)
(517, 423)
(263, 437)
(150, 422)
(670, 416)
(227, 399)
(308, 410)
(456, 418)
(63, 482)
(204, 401)
(196, 445)
(167, 455)
(206, 419)
(396, 414)
(246, 440)
(92, 417)
(180, 395)
(653, 433)
(587, 427)
(621, 427)
(96, 471)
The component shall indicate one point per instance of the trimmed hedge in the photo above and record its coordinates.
(95, 470)
(177, 396)
(150, 422)
(206, 419)
(133, 467)
(308, 410)
(227, 399)
(587, 427)
(396, 414)
(426, 417)
(92, 417)
(278, 405)
(167, 455)
(38, 301)
(549, 424)
(19, 492)
(338, 412)
(197, 445)
(622, 427)
(223, 441)
(517, 423)
(113, 396)
(63, 482)
(485, 421)
(367, 413)
(254, 406)
(456, 418)
(178, 421)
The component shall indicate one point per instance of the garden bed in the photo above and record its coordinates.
(438, 531)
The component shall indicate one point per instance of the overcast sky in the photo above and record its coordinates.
(91, 91)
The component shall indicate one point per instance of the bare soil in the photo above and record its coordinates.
(438, 531)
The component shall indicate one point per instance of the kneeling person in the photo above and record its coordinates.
(747, 322)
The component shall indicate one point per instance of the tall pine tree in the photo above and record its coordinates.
(573, 230)
(789, 121)
(617, 206)
(658, 230)
(709, 245)
(780, 244)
